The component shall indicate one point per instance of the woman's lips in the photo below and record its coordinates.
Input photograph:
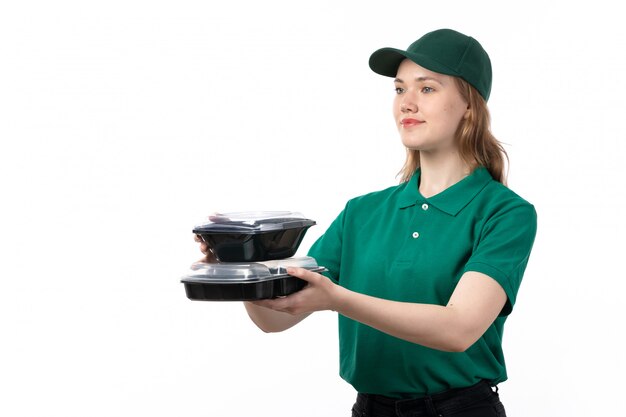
(408, 122)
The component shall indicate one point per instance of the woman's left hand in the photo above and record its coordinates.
(320, 294)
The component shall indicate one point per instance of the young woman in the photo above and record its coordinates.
(424, 274)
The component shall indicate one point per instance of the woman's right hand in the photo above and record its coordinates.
(209, 256)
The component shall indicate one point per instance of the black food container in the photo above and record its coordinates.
(254, 236)
(241, 281)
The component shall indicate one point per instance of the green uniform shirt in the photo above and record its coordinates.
(397, 245)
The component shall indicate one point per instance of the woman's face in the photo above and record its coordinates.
(427, 108)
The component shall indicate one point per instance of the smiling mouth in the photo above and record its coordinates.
(410, 122)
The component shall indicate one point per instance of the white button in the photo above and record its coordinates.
(415, 235)
(425, 206)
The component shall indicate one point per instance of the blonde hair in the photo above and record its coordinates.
(477, 145)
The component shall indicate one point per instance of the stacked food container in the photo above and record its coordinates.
(253, 251)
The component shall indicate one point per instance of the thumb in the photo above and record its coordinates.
(304, 274)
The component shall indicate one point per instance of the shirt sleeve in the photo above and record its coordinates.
(327, 249)
(504, 247)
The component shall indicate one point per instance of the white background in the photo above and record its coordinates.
(123, 123)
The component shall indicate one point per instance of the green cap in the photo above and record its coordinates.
(444, 51)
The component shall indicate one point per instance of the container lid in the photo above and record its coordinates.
(237, 272)
(253, 222)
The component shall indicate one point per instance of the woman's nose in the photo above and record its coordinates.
(408, 105)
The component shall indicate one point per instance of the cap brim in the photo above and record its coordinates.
(386, 61)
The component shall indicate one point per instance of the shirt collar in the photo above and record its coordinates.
(451, 200)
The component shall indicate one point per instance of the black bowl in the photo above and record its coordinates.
(264, 240)
(244, 291)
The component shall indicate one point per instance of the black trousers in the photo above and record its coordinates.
(479, 400)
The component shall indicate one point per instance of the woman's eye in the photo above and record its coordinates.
(399, 90)
(427, 90)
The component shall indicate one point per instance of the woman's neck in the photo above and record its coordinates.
(437, 173)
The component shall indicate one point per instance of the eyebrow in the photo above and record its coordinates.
(420, 79)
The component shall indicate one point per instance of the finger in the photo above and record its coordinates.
(210, 256)
(304, 274)
(261, 303)
(273, 304)
(204, 248)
